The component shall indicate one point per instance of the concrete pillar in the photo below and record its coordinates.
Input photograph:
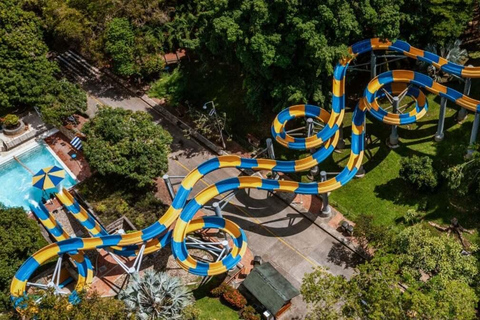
(270, 151)
(271, 155)
(168, 183)
(441, 120)
(393, 139)
(326, 208)
(473, 135)
(218, 212)
(373, 65)
(462, 113)
(309, 127)
(314, 170)
(341, 140)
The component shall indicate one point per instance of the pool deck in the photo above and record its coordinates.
(61, 146)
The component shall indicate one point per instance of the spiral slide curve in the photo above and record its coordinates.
(181, 212)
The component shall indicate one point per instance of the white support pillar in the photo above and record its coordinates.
(441, 120)
(473, 135)
(168, 183)
(393, 138)
(463, 113)
(326, 208)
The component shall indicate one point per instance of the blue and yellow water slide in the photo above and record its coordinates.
(181, 212)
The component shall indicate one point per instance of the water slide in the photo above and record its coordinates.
(181, 212)
(83, 264)
(91, 224)
(82, 215)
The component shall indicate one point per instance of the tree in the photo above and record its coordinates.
(156, 296)
(434, 22)
(26, 73)
(20, 238)
(127, 144)
(119, 43)
(421, 276)
(64, 100)
(45, 305)
(131, 33)
(419, 172)
(465, 177)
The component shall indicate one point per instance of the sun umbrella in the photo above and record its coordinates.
(48, 178)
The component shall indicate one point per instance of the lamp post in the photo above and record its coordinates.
(213, 112)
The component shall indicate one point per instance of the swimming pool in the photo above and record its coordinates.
(16, 182)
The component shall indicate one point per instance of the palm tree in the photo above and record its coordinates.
(156, 296)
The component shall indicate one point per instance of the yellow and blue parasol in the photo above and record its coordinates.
(48, 178)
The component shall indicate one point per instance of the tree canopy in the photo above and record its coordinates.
(90, 306)
(420, 276)
(27, 77)
(26, 74)
(286, 50)
(20, 238)
(127, 144)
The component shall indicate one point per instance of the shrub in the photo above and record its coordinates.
(220, 290)
(235, 298)
(419, 172)
(412, 216)
(191, 312)
(11, 120)
(249, 313)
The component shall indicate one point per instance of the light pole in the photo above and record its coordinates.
(211, 113)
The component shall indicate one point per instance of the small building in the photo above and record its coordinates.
(270, 288)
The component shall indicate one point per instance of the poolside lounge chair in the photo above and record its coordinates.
(76, 143)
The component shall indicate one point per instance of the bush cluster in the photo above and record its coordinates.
(235, 298)
(10, 120)
(220, 290)
(230, 295)
(249, 313)
(419, 172)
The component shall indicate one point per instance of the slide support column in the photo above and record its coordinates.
(168, 183)
(393, 139)
(473, 135)
(462, 113)
(373, 65)
(313, 170)
(271, 155)
(441, 120)
(218, 213)
(341, 141)
(326, 208)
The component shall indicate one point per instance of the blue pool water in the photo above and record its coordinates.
(16, 182)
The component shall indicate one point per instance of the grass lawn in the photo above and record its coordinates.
(212, 308)
(384, 194)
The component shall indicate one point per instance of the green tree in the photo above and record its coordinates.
(434, 22)
(20, 238)
(45, 305)
(25, 72)
(64, 100)
(420, 275)
(465, 177)
(119, 44)
(128, 144)
(419, 172)
(156, 296)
